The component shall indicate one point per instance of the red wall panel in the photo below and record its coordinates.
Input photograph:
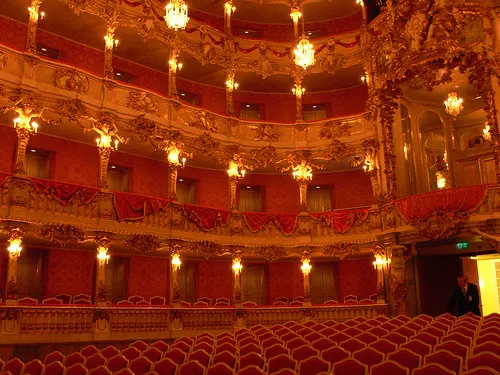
(344, 102)
(70, 272)
(356, 277)
(147, 78)
(148, 277)
(8, 141)
(284, 279)
(146, 176)
(210, 97)
(13, 33)
(212, 187)
(214, 279)
(76, 163)
(277, 107)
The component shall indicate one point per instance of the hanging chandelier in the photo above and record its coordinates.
(454, 104)
(304, 52)
(176, 15)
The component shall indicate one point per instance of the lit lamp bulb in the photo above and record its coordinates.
(380, 263)
(237, 267)
(306, 266)
(486, 132)
(173, 156)
(176, 261)
(228, 6)
(15, 247)
(102, 255)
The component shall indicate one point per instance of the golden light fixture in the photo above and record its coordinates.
(486, 132)
(235, 170)
(369, 164)
(441, 181)
(306, 266)
(15, 247)
(176, 261)
(360, 2)
(174, 65)
(173, 154)
(302, 172)
(102, 254)
(231, 84)
(106, 142)
(229, 7)
(111, 42)
(176, 15)
(454, 104)
(35, 14)
(382, 259)
(304, 53)
(295, 13)
(24, 122)
(237, 267)
(298, 90)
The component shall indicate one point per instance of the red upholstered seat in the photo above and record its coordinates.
(352, 331)
(252, 359)
(323, 344)
(418, 347)
(377, 331)
(33, 367)
(339, 337)
(296, 343)
(52, 357)
(191, 368)
(251, 370)
(349, 366)
(135, 299)
(220, 369)
(389, 368)
(313, 366)
(289, 337)
(225, 348)
(250, 348)
(176, 355)
(334, 355)
(488, 346)
(76, 369)
(153, 354)
(366, 338)
(124, 371)
(94, 361)
(271, 342)
(55, 368)
(446, 359)
(384, 346)
(140, 366)
(225, 357)
(139, 345)
(396, 338)
(427, 338)
(454, 347)
(89, 350)
(484, 359)
(368, 356)
(224, 340)
(116, 363)
(280, 362)
(201, 356)
(406, 358)
(248, 340)
(304, 352)
(73, 358)
(458, 337)
(433, 369)
(109, 351)
(165, 367)
(182, 346)
(65, 298)
(352, 345)
(481, 370)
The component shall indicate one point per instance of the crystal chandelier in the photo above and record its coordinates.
(304, 52)
(454, 104)
(176, 15)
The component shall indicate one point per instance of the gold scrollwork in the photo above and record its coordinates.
(270, 253)
(71, 80)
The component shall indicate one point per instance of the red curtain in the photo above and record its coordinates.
(133, 207)
(343, 220)
(257, 220)
(206, 218)
(285, 222)
(64, 193)
(450, 201)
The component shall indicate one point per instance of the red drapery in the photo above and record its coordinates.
(134, 207)
(206, 218)
(284, 222)
(450, 201)
(343, 220)
(64, 193)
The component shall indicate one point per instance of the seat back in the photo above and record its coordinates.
(446, 359)
(101, 370)
(176, 355)
(275, 350)
(389, 367)
(139, 345)
(201, 356)
(251, 370)
(89, 350)
(52, 357)
(323, 344)
(160, 345)
(313, 366)
(488, 346)
(116, 363)
(33, 367)
(131, 353)
(191, 368)
(433, 369)
(140, 366)
(73, 358)
(418, 347)
(304, 352)
(368, 356)
(109, 351)
(484, 359)
(352, 345)
(153, 354)
(250, 348)
(406, 358)
(65, 298)
(157, 301)
(384, 346)
(225, 357)
(94, 361)
(334, 355)
(220, 369)
(252, 359)
(54, 368)
(282, 361)
(135, 299)
(76, 369)
(165, 367)
(349, 366)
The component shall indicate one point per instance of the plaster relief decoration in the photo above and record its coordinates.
(204, 121)
(332, 62)
(71, 80)
(143, 243)
(142, 102)
(207, 249)
(270, 253)
(335, 129)
(205, 144)
(341, 250)
(3, 60)
(339, 150)
(145, 128)
(438, 214)
(263, 156)
(72, 109)
(266, 133)
(62, 234)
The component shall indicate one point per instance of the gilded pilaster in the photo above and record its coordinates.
(175, 265)
(172, 182)
(14, 249)
(104, 155)
(233, 189)
(306, 273)
(237, 267)
(303, 195)
(103, 244)
(231, 86)
(173, 67)
(34, 10)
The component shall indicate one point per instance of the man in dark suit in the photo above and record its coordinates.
(466, 297)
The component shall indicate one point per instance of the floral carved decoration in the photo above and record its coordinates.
(73, 109)
(266, 133)
(270, 253)
(204, 121)
(71, 80)
(143, 243)
(339, 150)
(145, 128)
(206, 249)
(335, 129)
(62, 234)
(206, 144)
(340, 250)
(143, 102)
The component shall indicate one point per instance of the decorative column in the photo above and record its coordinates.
(231, 86)
(298, 91)
(105, 146)
(102, 261)
(306, 272)
(397, 281)
(237, 267)
(175, 296)
(295, 15)
(174, 151)
(24, 129)
(302, 173)
(382, 264)
(229, 9)
(110, 44)
(173, 67)
(35, 15)
(14, 249)
(371, 165)
(235, 173)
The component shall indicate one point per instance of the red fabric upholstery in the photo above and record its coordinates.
(341, 221)
(64, 193)
(134, 207)
(206, 218)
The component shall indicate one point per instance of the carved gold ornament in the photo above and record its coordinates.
(270, 253)
(62, 234)
(335, 129)
(340, 250)
(266, 133)
(71, 80)
(143, 243)
(143, 102)
(207, 249)
(3, 60)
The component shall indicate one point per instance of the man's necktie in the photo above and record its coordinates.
(464, 292)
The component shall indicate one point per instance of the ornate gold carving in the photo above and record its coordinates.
(206, 144)
(62, 234)
(340, 250)
(339, 150)
(3, 60)
(143, 243)
(205, 121)
(333, 61)
(270, 253)
(263, 156)
(266, 133)
(335, 129)
(143, 102)
(73, 109)
(388, 217)
(206, 249)
(440, 225)
(71, 80)
(143, 126)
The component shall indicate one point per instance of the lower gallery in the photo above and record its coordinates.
(241, 187)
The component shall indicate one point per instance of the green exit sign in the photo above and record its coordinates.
(462, 245)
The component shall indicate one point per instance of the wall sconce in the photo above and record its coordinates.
(22, 122)
(382, 259)
(486, 132)
(441, 181)
(237, 267)
(15, 246)
(231, 84)
(173, 154)
(35, 14)
(102, 255)
(229, 7)
(360, 2)
(295, 13)
(111, 42)
(235, 170)
(174, 65)
(302, 172)
(176, 261)
(298, 90)
(306, 266)
(106, 142)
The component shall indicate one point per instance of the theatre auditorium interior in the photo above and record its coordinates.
(247, 187)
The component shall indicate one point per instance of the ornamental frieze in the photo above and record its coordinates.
(204, 121)
(335, 129)
(71, 80)
(3, 60)
(339, 150)
(205, 144)
(72, 109)
(207, 249)
(266, 133)
(142, 102)
(340, 250)
(270, 253)
(143, 243)
(62, 234)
